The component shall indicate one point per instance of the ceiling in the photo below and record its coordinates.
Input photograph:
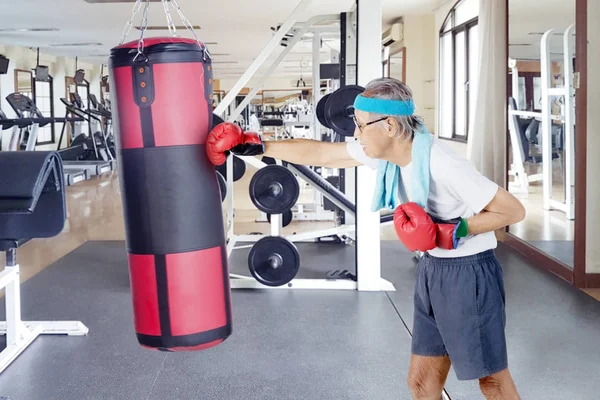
(529, 19)
(237, 29)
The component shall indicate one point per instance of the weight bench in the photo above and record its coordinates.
(328, 190)
(32, 206)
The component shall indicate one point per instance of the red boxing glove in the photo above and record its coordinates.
(450, 232)
(414, 227)
(227, 137)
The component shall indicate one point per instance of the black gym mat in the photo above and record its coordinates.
(290, 344)
(286, 344)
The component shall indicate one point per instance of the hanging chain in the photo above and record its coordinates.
(170, 23)
(172, 27)
(136, 8)
(189, 26)
(143, 27)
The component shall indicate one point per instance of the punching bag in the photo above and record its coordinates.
(162, 111)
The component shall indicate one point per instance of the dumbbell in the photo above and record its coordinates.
(274, 260)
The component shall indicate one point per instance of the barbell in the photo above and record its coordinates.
(274, 260)
(274, 189)
(336, 110)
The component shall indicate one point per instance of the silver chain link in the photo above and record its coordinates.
(189, 26)
(143, 27)
(170, 23)
(136, 8)
(172, 27)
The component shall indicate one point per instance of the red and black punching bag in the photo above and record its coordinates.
(162, 111)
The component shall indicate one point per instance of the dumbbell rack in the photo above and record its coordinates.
(248, 282)
(234, 242)
(312, 211)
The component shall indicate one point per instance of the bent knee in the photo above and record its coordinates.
(489, 383)
(425, 383)
(491, 388)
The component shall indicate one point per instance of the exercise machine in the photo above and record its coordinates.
(543, 122)
(105, 115)
(9, 141)
(33, 190)
(100, 126)
(346, 24)
(84, 152)
(25, 133)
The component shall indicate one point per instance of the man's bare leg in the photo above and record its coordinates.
(427, 376)
(499, 386)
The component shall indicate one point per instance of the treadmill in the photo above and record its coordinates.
(9, 142)
(25, 132)
(97, 118)
(98, 141)
(73, 156)
(105, 115)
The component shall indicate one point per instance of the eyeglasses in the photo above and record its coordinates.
(361, 127)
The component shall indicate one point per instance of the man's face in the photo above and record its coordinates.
(375, 138)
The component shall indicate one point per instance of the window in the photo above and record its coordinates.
(459, 59)
(43, 98)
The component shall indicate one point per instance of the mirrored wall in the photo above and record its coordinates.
(541, 121)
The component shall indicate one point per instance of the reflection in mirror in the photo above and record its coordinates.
(541, 121)
(292, 107)
(397, 69)
(23, 82)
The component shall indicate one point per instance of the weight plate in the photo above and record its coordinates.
(339, 109)
(321, 111)
(239, 168)
(274, 261)
(288, 216)
(274, 189)
(222, 185)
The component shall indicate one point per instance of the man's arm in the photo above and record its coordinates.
(227, 137)
(504, 209)
(311, 152)
(494, 207)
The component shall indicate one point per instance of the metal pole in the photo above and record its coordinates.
(297, 37)
(546, 74)
(569, 136)
(262, 57)
(368, 244)
(316, 60)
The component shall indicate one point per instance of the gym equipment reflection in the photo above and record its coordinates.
(541, 122)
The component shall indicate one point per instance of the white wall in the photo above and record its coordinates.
(60, 67)
(592, 250)
(420, 41)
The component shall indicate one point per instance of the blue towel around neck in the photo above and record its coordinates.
(388, 176)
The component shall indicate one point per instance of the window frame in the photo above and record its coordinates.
(454, 30)
(50, 82)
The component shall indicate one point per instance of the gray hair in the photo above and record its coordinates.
(393, 89)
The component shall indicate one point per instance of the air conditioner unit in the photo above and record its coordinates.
(393, 35)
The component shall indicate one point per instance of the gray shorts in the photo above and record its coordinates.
(459, 312)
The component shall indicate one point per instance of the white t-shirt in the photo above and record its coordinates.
(456, 190)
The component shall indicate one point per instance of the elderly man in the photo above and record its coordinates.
(449, 212)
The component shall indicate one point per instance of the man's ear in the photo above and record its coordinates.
(392, 126)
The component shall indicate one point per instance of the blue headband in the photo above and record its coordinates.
(384, 106)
